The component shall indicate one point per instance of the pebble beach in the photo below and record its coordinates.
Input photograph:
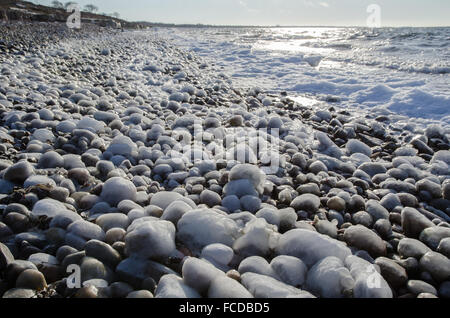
(131, 167)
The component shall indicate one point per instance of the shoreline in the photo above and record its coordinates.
(92, 175)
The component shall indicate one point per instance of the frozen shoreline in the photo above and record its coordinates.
(92, 176)
(404, 71)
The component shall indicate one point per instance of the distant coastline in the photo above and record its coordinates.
(17, 10)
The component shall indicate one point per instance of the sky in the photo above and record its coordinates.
(278, 12)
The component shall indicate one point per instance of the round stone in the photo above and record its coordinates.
(413, 222)
(417, 287)
(444, 247)
(118, 189)
(151, 239)
(251, 173)
(31, 279)
(356, 146)
(231, 203)
(336, 203)
(412, 248)
(446, 189)
(307, 202)
(210, 198)
(51, 159)
(140, 294)
(318, 166)
(437, 265)
(236, 121)
(250, 203)
(394, 274)
(103, 252)
(19, 172)
(363, 218)
(426, 185)
(365, 239)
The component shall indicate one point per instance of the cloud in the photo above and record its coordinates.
(324, 4)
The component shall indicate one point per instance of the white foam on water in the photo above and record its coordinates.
(404, 71)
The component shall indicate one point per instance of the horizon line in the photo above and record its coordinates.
(288, 26)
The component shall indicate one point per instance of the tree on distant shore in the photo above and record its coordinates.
(116, 15)
(57, 4)
(91, 8)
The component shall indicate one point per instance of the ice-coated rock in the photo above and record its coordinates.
(261, 286)
(90, 124)
(50, 159)
(164, 199)
(172, 286)
(258, 265)
(258, 239)
(251, 173)
(84, 230)
(151, 240)
(272, 216)
(356, 146)
(199, 274)
(112, 220)
(329, 278)
(240, 188)
(435, 131)
(291, 270)
(225, 287)
(122, 145)
(368, 281)
(175, 211)
(118, 189)
(38, 180)
(66, 126)
(52, 208)
(373, 168)
(43, 135)
(199, 228)
(310, 246)
(327, 146)
(218, 254)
